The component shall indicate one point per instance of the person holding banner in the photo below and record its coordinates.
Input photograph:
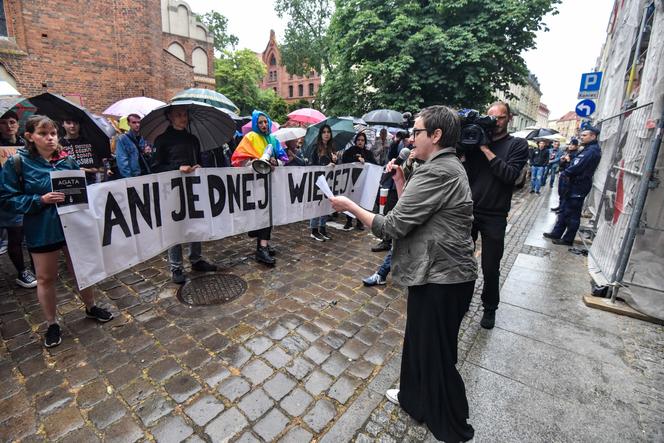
(357, 153)
(29, 193)
(433, 256)
(179, 150)
(255, 144)
(324, 154)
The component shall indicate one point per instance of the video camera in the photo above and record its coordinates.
(476, 129)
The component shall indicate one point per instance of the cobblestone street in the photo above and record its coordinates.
(307, 353)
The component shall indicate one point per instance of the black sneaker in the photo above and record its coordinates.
(178, 277)
(52, 337)
(99, 314)
(555, 209)
(203, 266)
(488, 319)
(349, 225)
(316, 235)
(323, 232)
(548, 235)
(26, 279)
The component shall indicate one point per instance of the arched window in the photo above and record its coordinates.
(311, 89)
(177, 50)
(199, 59)
(199, 33)
(300, 90)
(290, 91)
(180, 24)
(273, 60)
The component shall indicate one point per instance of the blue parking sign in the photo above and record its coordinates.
(590, 85)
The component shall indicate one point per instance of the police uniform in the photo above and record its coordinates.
(575, 183)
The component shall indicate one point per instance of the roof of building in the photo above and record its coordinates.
(571, 115)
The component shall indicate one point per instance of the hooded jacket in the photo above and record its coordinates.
(41, 222)
(253, 144)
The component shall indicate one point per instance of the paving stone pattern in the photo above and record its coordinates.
(283, 361)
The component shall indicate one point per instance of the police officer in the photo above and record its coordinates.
(579, 176)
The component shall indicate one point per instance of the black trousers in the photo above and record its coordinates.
(492, 230)
(261, 234)
(431, 389)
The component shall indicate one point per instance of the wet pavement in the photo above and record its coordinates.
(307, 352)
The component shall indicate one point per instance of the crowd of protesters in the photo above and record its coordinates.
(438, 203)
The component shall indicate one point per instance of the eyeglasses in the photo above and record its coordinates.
(416, 131)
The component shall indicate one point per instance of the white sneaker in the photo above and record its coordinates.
(393, 395)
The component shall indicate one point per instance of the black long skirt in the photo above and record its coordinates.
(431, 388)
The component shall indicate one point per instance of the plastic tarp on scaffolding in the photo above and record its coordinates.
(624, 150)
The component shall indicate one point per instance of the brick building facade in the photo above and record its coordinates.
(287, 86)
(103, 51)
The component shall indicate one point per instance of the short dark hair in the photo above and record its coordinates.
(9, 114)
(133, 116)
(445, 119)
(501, 103)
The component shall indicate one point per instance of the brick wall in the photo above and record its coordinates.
(100, 50)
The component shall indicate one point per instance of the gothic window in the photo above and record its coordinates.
(199, 59)
(311, 89)
(290, 91)
(273, 60)
(177, 50)
(300, 90)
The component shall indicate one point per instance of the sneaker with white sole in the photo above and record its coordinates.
(99, 314)
(373, 280)
(393, 395)
(26, 279)
(53, 336)
(316, 235)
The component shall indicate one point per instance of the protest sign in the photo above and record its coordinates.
(72, 184)
(132, 220)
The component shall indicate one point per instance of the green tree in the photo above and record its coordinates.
(217, 24)
(306, 45)
(237, 76)
(275, 106)
(406, 54)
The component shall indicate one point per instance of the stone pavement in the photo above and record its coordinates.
(307, 352)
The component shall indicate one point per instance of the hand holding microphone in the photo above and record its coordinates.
(391, 168)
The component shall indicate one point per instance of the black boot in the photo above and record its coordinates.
(263, 256)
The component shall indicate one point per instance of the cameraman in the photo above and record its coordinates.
(492, 171)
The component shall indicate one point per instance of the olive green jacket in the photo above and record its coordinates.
(431, 225)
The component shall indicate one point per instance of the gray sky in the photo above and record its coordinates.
(570, 48)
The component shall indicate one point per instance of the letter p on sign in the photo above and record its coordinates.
(590, 85)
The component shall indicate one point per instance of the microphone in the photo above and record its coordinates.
(403, 156)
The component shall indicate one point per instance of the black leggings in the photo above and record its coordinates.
(15, 247)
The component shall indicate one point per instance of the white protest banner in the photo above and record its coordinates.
(132, 220)
(296, 197)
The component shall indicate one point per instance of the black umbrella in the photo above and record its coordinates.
(384, 117)
(540, 132)
(210, 125)
(59, 108)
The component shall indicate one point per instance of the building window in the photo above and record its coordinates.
(275, 76)
(300, 90)
(275, 90)
(290, 91)
(273, 60)
(199, 59)
(311, 89)
(3, 20)
(177, 50)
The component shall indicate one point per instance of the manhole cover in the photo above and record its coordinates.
(212, 289)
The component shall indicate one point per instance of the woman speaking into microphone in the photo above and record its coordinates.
(433, 257)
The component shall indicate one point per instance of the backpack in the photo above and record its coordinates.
(18, 167)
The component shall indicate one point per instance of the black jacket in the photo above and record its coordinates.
(539, 157)
(492, 182)
(175, 148)
(350, 155)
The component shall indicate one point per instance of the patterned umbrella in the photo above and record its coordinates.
(208, 96)
(134, 105)
(306, 116)
(210, 125)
